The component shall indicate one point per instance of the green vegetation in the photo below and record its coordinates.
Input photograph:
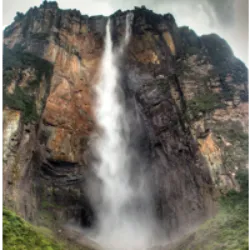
(228, 91)
(223, 59)
(204, 103)
(19, 16)
(19, 235)
(228, 230)
(243, 179)
(15, 61)
(235, 155)
(217, 47)
(151, 18)
(190, 41)
(22, 101)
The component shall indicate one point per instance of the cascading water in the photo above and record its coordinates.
(122, 222)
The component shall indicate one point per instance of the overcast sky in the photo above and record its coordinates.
(227, 18)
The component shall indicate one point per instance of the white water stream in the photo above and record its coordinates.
(120, 223)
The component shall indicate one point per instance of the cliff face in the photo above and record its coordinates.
(190, 95)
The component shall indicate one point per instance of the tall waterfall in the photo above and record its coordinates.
(121, 218)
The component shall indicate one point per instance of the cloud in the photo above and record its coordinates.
(242, 27)
(223, 10)
(11, 7)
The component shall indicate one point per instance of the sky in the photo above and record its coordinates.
(227, 18)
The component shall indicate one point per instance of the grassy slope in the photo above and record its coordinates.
(228, 230)
(20, 235)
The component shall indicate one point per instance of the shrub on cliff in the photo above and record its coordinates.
(223, 59)
(19, 16)
(243, 178)
(16, 59)
(236, 153)
(204, 103)
(20, 100)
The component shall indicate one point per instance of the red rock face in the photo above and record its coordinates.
(69, 103)
(75, 52)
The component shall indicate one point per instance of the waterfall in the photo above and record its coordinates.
(122, 222)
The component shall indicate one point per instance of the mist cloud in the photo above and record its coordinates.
(224, 10)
